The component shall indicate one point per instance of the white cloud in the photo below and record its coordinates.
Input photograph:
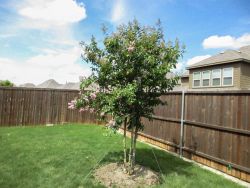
(6, 35)
(51, 13)
(226, 41)
(59, 65)
(55, 59)
(118, 12)
(5, 61)
(66, 41)
(196, 59)
(179, 67)
(57, 51)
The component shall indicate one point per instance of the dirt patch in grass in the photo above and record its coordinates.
(112, 175)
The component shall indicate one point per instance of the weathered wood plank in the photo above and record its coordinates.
(217, 124)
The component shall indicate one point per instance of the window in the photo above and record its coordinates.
(196, 79)
(205, 78)
(216, 77)
(228, 76)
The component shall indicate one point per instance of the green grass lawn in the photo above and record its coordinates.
(63, 156)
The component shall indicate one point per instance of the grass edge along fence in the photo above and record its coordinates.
(209, 127)
(212, 128)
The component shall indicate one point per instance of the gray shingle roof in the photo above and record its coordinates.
(30, 85)
(185, 74)
(243, 54)
(70, 85)
(49, 84)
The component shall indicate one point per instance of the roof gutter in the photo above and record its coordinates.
(219, 63)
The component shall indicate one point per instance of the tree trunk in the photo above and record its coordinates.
(130, 171)
(131, 145)
(125, 142)
(134, 150)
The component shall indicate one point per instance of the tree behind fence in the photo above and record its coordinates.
(216, 124)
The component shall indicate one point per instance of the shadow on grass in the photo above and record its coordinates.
(144, 156)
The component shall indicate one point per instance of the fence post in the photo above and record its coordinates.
(182, 121)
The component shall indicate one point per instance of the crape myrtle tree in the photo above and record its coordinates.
(130, 71)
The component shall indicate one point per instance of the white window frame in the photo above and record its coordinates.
(216, 77)
(222, 76)
(197, 79)
(209, 79)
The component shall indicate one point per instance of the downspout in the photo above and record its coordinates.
(182, 121)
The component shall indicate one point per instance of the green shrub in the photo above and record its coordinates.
(6, 83)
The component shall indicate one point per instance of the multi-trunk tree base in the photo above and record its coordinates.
(112, 175)
(129, 158)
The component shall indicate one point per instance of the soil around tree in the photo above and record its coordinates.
(112, 175)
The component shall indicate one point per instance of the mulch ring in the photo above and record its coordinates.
(112, 175)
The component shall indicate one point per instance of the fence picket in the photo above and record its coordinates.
(216, 126)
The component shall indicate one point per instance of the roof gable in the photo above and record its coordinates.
(243, 54)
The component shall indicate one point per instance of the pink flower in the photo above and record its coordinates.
(131, 48)
(92, 96)
(111, 123)
(81, 110)
(72, 104)
(91, 110)
(71, 107)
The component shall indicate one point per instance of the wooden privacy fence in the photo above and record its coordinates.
(32, 106)
(212, 128)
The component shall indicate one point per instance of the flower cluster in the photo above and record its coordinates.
(72, 104)
(82, 109)
(93, 96)
(85, 103)
(91, 110)
(131, 46)
(111, 123)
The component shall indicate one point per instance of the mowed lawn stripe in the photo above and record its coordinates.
(62, 156)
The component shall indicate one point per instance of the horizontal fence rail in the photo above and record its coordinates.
(215, 124)
(34, 106)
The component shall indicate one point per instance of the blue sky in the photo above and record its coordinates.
(39, 39)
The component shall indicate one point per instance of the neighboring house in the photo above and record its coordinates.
(52, 84)
(70, 85)
(226, 70)
(185, 80)
(29, 85)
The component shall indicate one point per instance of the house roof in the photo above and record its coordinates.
(49, 84)
(228, 56)
(70, 85)
(30, 85)
(185, 74)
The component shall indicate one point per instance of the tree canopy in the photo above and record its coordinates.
(130, 71)
(6, 83)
